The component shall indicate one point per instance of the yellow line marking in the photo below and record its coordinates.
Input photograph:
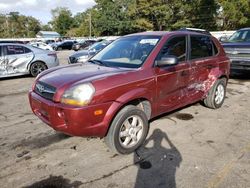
(220, 176)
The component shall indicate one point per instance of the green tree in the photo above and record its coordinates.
(196, 13)
(155, 14)
(47, 27)
(62, 20)
(234, 14)
(112, 17)
(16, 25)
(83, 22)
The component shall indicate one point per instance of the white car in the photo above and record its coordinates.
(19, 59)
(41, 45)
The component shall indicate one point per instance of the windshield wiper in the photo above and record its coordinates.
(96, 61)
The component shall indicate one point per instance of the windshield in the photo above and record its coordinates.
(130, 52)
(240, 36)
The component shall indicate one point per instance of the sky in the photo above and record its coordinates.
(41, 9)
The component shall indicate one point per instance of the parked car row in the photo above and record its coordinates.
(237, 48)
(65, 45)
(83, 44)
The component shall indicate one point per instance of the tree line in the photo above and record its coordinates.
(119, 17)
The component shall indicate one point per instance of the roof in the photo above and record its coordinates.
(163, 33)
(48, 33)
(151, 33)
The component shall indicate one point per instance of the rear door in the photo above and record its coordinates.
(203, 61)
(172, 80)
(17, 58)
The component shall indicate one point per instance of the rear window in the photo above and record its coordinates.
(201, 46)
(15, 50)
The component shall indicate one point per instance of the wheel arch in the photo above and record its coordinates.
(29, 65)
(223, 77)
(143, 103)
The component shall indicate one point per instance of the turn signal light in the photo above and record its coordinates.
(98, 112)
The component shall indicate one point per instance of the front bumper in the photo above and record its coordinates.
(75, 121)
(240, 64)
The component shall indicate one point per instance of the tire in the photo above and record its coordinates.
(37, 67)
(123, 137)
(216, 94)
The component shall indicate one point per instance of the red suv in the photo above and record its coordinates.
(131, 81)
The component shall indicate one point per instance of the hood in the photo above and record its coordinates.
(236, 45)
(83, 53)
(87, 72)
(80, 53)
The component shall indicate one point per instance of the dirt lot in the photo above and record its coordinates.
(192, 147)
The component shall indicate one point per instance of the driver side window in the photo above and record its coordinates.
(174, 47)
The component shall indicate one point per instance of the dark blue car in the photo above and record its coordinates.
(237, 48)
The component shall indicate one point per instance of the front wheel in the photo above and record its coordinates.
(216, 95)
(37, 67)
(128, 130)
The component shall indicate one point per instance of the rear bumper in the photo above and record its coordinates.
(76, 121)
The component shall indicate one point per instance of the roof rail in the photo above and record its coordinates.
(203, 31)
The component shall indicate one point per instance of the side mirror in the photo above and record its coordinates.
(166, 61)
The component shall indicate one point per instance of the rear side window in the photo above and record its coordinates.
(201, 46)
(15, 50)
(174, 47)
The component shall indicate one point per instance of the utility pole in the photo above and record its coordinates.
(90, 25)
(7, 26)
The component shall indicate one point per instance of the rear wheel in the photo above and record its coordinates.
(128, 130)
(37, 67)
(216, 95)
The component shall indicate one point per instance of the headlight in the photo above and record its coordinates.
(79, 95)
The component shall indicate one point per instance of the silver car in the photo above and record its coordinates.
(19, 59)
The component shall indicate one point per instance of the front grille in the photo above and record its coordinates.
(240, 64)
(44, 90)
(240, 53)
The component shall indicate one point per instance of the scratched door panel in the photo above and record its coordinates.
(16, 60)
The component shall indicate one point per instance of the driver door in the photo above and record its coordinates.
(172, 80)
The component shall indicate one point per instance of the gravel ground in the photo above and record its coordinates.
(192, 147)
